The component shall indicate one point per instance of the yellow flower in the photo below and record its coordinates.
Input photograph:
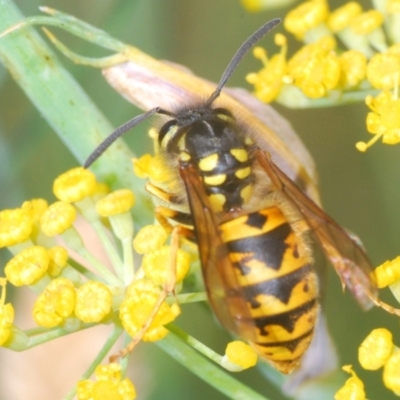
(117, 202)
(269, 80)
(35, 208)
(240, 354)
(58, 260)
(141, 298)
(100, 190)
(342, 17)
(116, 207)
(353, 66)
(149, 238)
(74, 185)
(383, 70)
(353, 389)
(93, 302)
(252, 5)
(108, 385)
(306, 16)
(15, 227)
(366, 22)
(258, 5)
(6, 314)
(110, 372)
(156, 265)
(55, 304)
(151, 167)
(141, 165)
(57, 218)
(391, 375)
(28, 266)
(6, 322)
(387, 273)
(127, 389)
(376, 348)
(84, 390)
(393, 6)
(315, 68)
(383, 121)
(105, 390)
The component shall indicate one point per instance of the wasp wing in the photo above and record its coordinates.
(224, 292)
(347, 257)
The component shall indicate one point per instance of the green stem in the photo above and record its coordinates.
(87, 208)
(75, 242)
(188, 298)
(180, 351)
(123, 362)
(38, 336)
(100, 268)
(84, 271)
(333, 99)
(101, 62)
(109, 247)
(84, 30)
(129, 266)
(195, 344)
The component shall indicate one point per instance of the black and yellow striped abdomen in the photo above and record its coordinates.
(278, 283)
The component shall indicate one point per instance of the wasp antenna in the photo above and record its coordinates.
(243, 49)
(109, 140)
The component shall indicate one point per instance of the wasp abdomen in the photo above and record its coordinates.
(277, 281)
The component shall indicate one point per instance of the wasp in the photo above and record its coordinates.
(253, 225)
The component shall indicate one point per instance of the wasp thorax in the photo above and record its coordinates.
(216, 145)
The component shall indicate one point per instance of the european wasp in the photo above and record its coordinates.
(253, 225)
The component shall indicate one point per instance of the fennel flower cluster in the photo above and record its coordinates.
(348, 54)
(76, 290)
(377, 350)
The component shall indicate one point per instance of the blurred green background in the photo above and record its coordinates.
(359, 190)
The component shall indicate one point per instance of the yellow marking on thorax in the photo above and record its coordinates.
(226, 117)
(248, 141)
(171, 133)
(182, 141)
(215, 180)
(246, 193)
(240, 154)
(217, 201)
(208, 163)
(184, 156)
(243, 173)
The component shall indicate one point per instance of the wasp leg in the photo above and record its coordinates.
(164, 215)
(137, 338)
(168, 288)
(387, 307)
(160, 193)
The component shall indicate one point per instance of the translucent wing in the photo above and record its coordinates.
(224, 292)
(347, 257)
